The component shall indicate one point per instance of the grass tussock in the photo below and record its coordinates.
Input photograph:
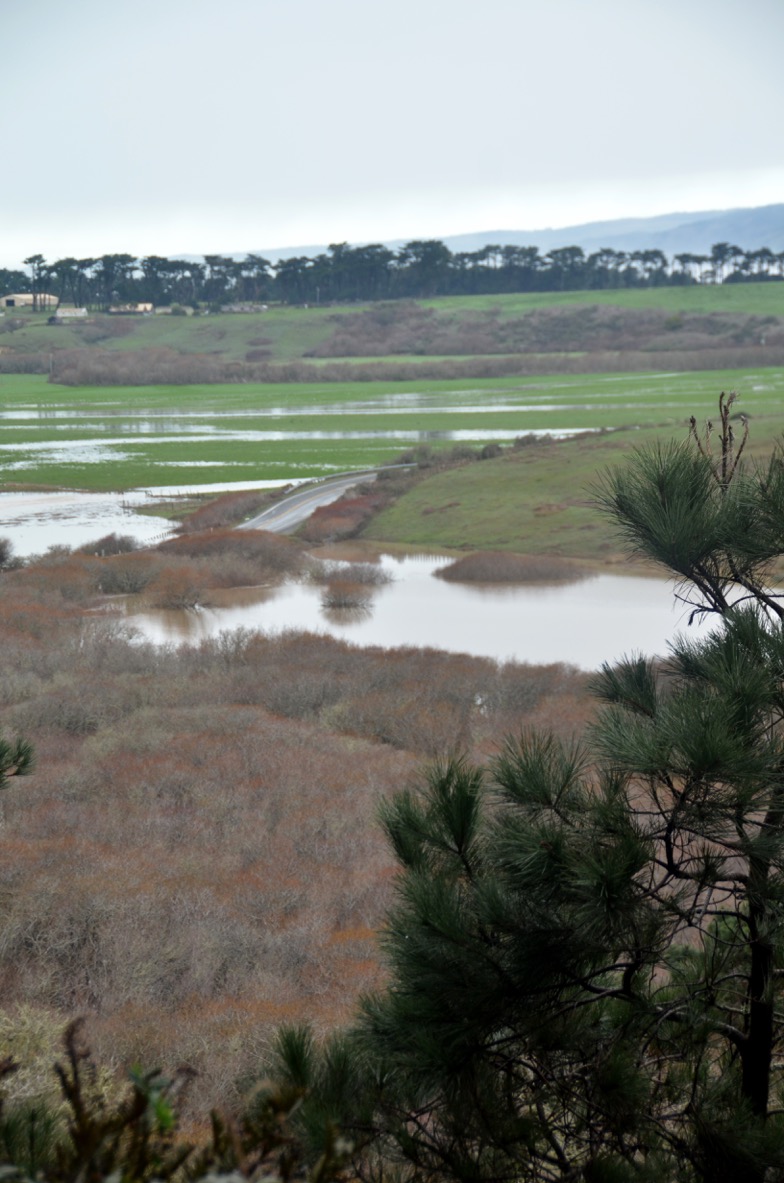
(497, 566)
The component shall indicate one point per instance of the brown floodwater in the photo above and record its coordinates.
(582, 623)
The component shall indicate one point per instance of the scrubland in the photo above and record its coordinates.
(693, 326)
(196, 856)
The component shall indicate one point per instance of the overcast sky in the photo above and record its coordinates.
(216, 126)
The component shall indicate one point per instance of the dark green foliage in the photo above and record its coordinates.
(30, 1135)
(586, 946)
(132, 1136)
(701, 515)
(16, 759)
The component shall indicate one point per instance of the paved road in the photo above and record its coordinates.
(294, 509)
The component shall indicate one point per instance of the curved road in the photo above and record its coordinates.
(294, 509)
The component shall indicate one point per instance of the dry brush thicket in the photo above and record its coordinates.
(196, 856)
(167, 367)
(410, 328)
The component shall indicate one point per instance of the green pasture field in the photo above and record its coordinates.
(289, 333)
(538, 499)
(122, 438)
(758, 299)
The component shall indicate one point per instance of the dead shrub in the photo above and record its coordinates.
(177, 587)
(272, 554)
(345, 593)
(227, 510)
(367, 574)
(196, 857)
(57, 574)
(88, 367)
(124, 575)
(110, 544)
(518, 688)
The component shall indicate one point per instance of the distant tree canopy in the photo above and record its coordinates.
(419, 269)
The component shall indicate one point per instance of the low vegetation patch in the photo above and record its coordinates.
(501, 566)
(345, 593)
(362, 574)
(266, 553)
(229, 509)
(412, 329)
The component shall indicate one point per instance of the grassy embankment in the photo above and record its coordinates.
(537, 499)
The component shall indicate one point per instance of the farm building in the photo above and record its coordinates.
(25, 300)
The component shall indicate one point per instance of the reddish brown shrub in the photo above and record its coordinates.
(273, 553)
(178, 587)
(227, 510)
(498, 566)
(196, 856)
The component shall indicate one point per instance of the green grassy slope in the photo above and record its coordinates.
(537, 499)
(760, 299)
(286, 334)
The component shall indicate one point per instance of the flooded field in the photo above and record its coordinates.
(583, 623)
(127, 437)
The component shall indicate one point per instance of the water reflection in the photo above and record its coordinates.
(584, 623)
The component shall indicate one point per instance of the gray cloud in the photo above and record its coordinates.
(180, 125)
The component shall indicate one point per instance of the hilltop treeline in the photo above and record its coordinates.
(420, 269)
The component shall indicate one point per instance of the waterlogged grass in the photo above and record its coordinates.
(122, 438)
(539, 499)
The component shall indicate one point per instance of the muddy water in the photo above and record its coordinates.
(584, 623)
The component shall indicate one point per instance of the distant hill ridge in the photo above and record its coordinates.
(673, 234)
